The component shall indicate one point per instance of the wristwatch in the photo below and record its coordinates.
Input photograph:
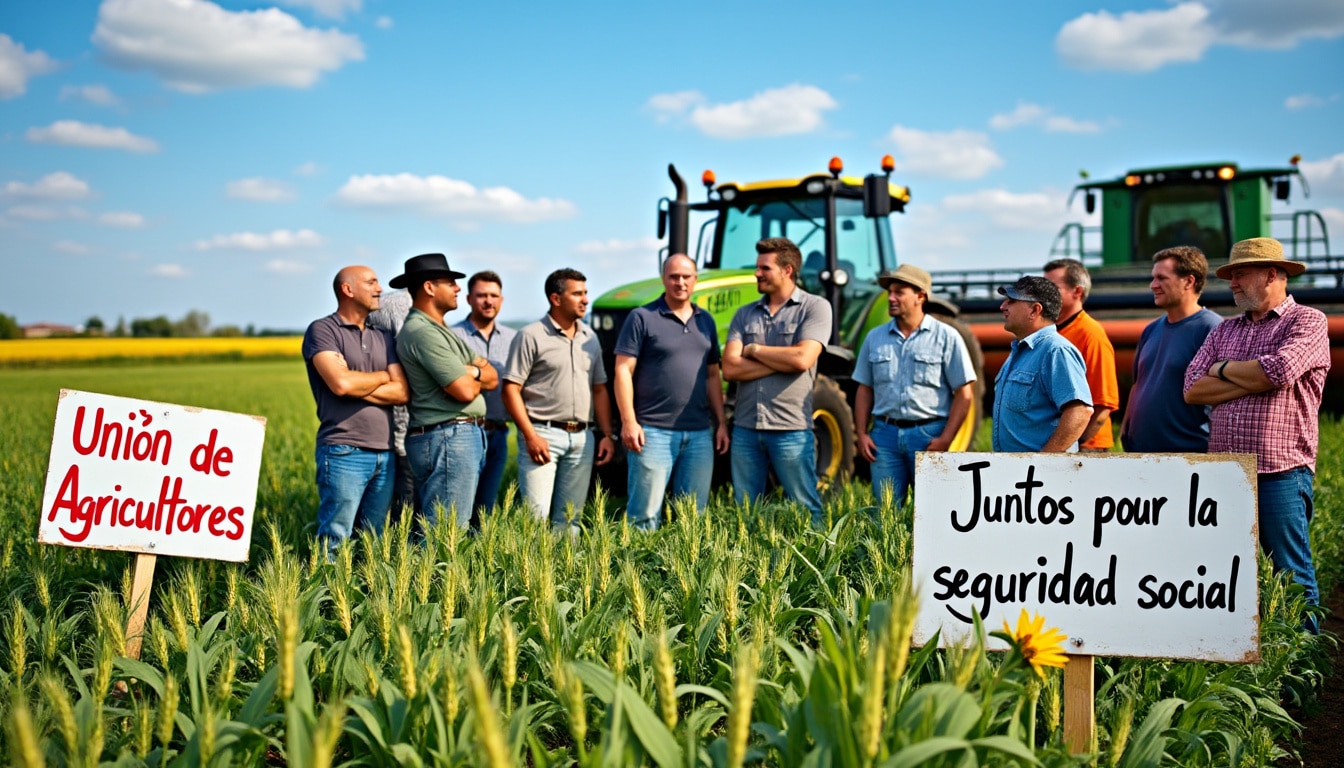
(478, 372)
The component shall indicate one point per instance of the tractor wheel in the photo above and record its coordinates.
(966, 435)
(833, 426)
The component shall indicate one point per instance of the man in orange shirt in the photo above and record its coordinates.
(1080, 328)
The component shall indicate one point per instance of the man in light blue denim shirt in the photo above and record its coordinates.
(489, 339)
(915, 380)
(1042, 402)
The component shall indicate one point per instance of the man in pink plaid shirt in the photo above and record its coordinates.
(1263, 372)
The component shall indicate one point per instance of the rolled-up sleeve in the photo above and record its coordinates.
(1306, 347)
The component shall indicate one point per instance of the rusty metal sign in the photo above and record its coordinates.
(1149, 555)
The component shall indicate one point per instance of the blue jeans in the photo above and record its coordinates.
(496, 456)
(684, 457)
(1286, 507)
(791, 454)
(446, 462)
(554, 488)
(354, 490)
(896, 449)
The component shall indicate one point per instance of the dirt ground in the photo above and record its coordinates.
(1322, 742)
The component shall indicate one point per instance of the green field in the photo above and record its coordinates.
(739, 636)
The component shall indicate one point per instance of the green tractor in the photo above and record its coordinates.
(841, 225)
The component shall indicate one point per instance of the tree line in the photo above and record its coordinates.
(194, 324)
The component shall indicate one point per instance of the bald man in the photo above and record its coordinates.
(356, 379)
(670, 397)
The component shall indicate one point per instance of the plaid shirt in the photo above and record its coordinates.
(1279, 426)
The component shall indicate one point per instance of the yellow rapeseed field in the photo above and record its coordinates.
(38, 351)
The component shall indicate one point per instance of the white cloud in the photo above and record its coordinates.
(1325, 176)
(307, 169)
(958, 154)
(17, 65)
(1136, 41)
(1141, 41)
(167, 270)
(783, 111)
(1034, 114)
(76, 134)
(636, 246)
(46, 213)
(93, 94)
(332, 9)
(1305, 100)
(287, 267)
(71, 247)
(1014, 210)
(1280, 24)
(1334, 218)
(122, 220)
(253, 241)
(384, 22)
(666, 106)
(196, 46)
(442, 197)
(260, 190)
(54, 186)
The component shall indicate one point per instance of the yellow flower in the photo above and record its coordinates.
(1040, 647)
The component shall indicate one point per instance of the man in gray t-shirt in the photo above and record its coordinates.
(772, 350)
(390, 316)
(356, 378)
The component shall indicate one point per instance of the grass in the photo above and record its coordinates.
(737, 637)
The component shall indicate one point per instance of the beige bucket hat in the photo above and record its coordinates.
(908, 274)
(1260, 252)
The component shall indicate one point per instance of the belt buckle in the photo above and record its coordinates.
(574, 426)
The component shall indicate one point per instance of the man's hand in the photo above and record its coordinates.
(722, 440)
(939, 444)
(606, 449)
(538, 449)
(632, 435)
(867, 448)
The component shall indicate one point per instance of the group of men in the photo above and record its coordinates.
(1251, 384)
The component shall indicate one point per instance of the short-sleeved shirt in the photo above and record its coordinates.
(496, 350)
(557, 373)
(1157, 418)
(1043, 373)
(780, 401)
(390, 315)
(349, 420)
(914, 377)
(1085, 333)
(434, 357)
(672, 365)
(1281, 426)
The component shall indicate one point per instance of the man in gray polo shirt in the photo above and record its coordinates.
(489, 339)
(553, 385)
(445, 444)
(772, 350)
(670, 396)
(355, 376)
(915, 380)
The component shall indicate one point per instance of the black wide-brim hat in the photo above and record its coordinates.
(426, 266)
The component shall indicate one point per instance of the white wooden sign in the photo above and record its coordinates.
(1149, 555)
(154, 478)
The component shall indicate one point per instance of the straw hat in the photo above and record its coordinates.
(1260, 252)
(908, 274)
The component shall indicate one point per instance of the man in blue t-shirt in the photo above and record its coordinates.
(670, 396)
(1157, 418)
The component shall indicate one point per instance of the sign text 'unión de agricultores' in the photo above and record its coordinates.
(141, 476)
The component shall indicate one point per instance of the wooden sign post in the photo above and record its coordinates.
(150, 478)
(1146, 555)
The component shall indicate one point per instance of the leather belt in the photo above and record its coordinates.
(908, 423)
(494, 425)
(568, 426)
(477, 420)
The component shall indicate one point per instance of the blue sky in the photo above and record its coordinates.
(158, 156)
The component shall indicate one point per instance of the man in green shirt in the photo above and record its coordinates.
(445, 444)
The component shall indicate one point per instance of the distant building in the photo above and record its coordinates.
(45, 330)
